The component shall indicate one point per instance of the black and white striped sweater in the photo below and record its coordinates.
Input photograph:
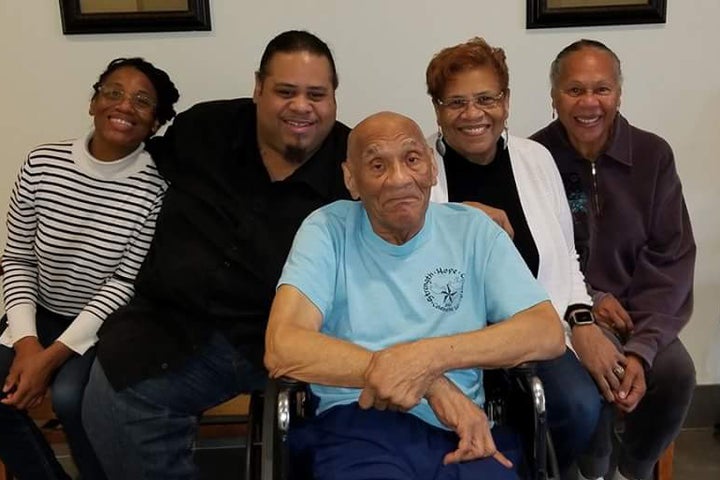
(78, 231)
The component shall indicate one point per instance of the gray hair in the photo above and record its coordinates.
(579, 45)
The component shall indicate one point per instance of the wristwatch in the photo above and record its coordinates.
(580, 316)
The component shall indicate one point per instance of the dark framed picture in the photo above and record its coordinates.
(120, 16)
(580, 13)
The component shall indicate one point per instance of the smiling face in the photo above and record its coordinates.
(295, 105)
(473, 131)
(120, 126)
(391, 169)
(587, 97)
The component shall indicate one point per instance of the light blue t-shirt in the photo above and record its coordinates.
(459, 273)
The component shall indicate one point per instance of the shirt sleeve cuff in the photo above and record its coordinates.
(598, 296)
(21, 321)
(645, 352)
(82, 332)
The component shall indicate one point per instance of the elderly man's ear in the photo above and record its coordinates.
(350, 180)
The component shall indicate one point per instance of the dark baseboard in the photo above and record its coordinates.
(705, 407)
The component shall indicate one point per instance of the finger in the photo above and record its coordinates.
(35, 401)
(11, 381)
(463, 453)
(613, 319)
(380, 404)
(504, 461)
(626, 385)
(618, 322)
(367, 398)
(22, 399)
(625, 317)
(604, 388)
(612, 380)
(452, 457)
(606, 324)
(633, 398)
(505, 224)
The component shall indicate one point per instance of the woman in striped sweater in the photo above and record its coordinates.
(81, 218)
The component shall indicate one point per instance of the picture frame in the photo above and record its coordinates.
(88, 17)
(581, 13)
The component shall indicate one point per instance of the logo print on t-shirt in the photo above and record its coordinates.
(443, 288)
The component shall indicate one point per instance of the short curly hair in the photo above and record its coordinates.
(167, 94)
(475, 53)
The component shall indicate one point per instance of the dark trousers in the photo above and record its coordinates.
(349, 443)
(573, 406)
(652, 426)
(22, 446)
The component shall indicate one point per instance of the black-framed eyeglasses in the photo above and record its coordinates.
(141, 102)
(482, 101)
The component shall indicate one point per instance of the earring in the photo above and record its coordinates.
(505, 137)
(554, 114)
(439, 144)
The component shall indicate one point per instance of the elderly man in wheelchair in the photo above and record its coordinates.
(390, 308)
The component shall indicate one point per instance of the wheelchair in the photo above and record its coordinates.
(514, 397)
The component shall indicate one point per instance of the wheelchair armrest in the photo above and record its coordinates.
(525, 373)
(542, 452)
(291, 402)
(283, 400)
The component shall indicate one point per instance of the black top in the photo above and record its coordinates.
(494, 185)
(221, 240)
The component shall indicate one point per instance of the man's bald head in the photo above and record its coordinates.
(381, 122)
(390, 168)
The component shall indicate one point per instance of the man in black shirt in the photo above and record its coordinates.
(243, 175)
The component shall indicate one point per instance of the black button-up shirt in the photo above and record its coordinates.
(221, 240)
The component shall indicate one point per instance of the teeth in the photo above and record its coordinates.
(479, 130)
(586, 120)
(298, 124)
(121, 122)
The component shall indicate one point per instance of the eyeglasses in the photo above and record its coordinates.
(482, 101)
(139, 101)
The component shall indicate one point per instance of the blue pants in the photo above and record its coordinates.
(147, 430)
(22, 446)
(349, 443)
(573, 406)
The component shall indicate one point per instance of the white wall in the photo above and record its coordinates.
(672, 83)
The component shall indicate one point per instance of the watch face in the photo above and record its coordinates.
(582, 317)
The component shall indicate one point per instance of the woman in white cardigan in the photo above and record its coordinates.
(515, 181)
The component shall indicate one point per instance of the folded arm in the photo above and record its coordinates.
(401, 374)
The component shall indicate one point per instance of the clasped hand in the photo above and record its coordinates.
(29, 376)
(398, 377)
(602, 359)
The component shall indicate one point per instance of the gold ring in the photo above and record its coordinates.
(619, 371)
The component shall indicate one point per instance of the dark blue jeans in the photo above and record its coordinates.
(573, 406)
(22, 445)
(147, 431)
